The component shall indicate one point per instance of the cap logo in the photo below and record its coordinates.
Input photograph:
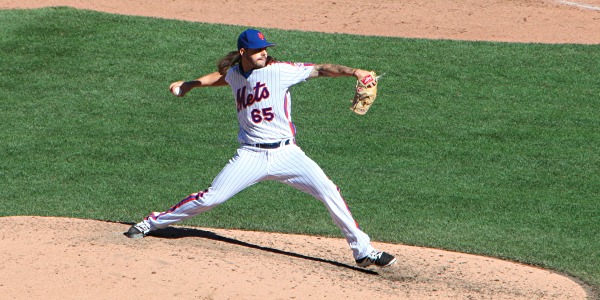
(261, 36)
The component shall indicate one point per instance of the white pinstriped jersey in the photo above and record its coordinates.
(263, 100)
(264, 114)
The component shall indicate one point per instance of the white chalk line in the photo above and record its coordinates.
(581, 5)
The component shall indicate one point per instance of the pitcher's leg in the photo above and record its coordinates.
(308, 177)
(359, 242)
(244, 169)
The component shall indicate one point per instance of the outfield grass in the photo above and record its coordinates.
(488, 148)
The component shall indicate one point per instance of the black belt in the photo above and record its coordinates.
(271, 145)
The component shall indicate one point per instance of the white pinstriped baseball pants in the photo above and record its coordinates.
(287, 164)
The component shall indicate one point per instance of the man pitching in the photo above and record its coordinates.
(268, 150)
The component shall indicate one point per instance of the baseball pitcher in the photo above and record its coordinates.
(260, 86)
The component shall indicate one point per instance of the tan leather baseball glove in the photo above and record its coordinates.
(365, 93)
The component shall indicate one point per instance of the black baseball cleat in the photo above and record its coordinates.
(380, 259)
(137, 231)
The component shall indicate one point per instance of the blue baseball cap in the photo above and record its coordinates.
(252, 39)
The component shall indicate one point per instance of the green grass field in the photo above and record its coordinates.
(486, 148)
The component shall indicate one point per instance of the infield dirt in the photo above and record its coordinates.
(58, 258)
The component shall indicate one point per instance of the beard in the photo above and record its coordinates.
(261, 62)
(254, 60)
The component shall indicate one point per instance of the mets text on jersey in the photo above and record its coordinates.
(260, 92)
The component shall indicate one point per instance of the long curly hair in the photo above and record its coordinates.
(231, 59)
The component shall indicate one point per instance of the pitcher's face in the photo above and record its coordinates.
(255, 58)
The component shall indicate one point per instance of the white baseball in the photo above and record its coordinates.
(176, 91)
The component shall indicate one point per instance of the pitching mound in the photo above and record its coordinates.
(58, 258)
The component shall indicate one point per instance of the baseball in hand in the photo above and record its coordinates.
(176, 91)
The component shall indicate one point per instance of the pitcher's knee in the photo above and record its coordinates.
(210, 197)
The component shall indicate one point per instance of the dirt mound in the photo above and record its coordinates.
(58, 258)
